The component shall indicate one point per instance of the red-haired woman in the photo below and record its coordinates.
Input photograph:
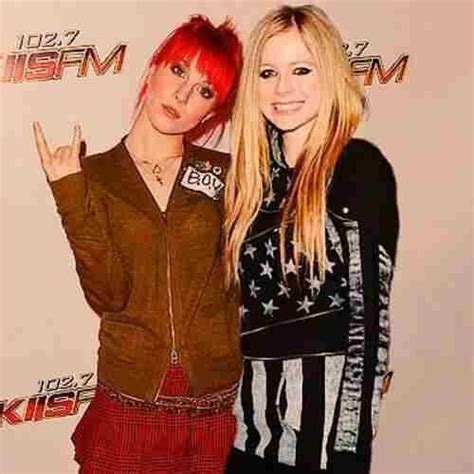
(144, 223)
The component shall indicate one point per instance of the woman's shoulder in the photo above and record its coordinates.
(364, 189)
(109, 169)
(95, 163)
(210, 160)
(215, 157)
(363, 163)
(362, 173)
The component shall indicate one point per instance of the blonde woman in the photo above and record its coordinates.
(311, 232)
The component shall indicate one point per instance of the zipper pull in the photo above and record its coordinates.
(174, 356)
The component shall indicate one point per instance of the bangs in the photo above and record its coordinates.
(211, 59)
(217, 53)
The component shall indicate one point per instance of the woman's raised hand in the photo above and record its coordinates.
(65, 159)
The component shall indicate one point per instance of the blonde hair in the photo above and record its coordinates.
(341, 109)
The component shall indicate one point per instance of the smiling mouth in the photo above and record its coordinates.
(170, 112)
(286, 107)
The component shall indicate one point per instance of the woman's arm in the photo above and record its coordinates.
(83, 212)
(101, 271)
(364, 184)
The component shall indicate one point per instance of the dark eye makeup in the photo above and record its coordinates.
(266, 73)
(178, 69)
(297, 71)
(207, 92)
(302, 71)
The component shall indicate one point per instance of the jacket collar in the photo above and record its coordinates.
(120, 176)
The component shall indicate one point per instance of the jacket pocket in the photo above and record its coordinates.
(123, 341)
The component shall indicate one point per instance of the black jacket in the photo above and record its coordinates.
(286, 316)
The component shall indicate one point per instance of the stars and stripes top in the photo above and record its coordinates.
(315, 353)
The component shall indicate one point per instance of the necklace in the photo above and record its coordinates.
(157, 170)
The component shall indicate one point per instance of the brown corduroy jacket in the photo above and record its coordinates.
(156, 279)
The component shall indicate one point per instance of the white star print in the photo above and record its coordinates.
(275, 173)
(266, 269)
(253, 289)
(242, 311)
(270, 198)
(250, 250)
(290, 267)
(270, 248)
(314, 284)
(329, 266)
(269, 308)
(343, 282)
(336, 300)
(304, 304)
(284, 290)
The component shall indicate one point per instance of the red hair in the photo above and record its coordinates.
(219, 57)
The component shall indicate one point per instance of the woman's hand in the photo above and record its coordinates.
(65, 159)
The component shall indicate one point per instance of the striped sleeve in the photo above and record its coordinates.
(367, 360)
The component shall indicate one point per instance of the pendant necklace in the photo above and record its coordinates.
(157, 170)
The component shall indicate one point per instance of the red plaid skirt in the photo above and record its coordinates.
(113, 437)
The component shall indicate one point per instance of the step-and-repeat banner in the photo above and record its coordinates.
(67, 62)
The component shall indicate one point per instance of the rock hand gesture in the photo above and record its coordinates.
(65, 159)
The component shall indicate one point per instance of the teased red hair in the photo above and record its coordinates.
(219, 57)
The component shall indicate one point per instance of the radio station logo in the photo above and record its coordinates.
(56, 398)
(46, 57)
(373, 68)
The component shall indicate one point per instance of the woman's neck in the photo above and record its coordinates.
(146, 143)
(293, 143)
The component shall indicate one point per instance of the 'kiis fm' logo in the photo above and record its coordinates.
(371, 68)
(45, 57)
(56, 398)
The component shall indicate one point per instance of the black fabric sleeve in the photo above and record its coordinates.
(364, 190)
(364, 182)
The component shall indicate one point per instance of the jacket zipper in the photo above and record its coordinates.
(174, 359)
(174, 351)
